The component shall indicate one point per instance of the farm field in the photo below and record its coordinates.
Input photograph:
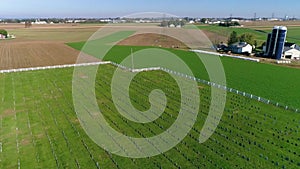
(40, 53)
(39, 128)
(264, 80)
(42, 45)
(225, 32)
(58, 33)
(217, 33)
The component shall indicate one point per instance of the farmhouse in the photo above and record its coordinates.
(240, 48)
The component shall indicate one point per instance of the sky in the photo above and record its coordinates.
(119, 8)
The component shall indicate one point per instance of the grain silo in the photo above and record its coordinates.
(276, 41)
(280, 42)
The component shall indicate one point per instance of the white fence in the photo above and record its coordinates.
(52, 67)
(212, 84)
(221, 55)
(231, 90)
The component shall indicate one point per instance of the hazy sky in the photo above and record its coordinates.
(113, 8)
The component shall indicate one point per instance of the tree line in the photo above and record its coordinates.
(246, 37)
(3, 32)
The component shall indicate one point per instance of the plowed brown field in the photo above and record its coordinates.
(151, 39)
(42, 45)
(33, 54)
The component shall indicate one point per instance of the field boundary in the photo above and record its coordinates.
(212, 84)
(52, 67)
(226, 55)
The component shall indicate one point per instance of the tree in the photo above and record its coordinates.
(3, 32)
(203, 20)
(247, 37)
(228, 24)
(28, 24)
(233, 38)
(164, 24)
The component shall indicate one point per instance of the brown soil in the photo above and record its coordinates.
(14, 54)
(43, 45)
(152, 39)
(214, 37)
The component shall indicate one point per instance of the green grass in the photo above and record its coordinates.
(269, 81)
(260, 33)
(294, 35)
(225, 31)
(37, 113)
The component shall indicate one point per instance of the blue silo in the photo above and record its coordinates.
(282, 32)
(276, 41)
(268, 44)
(271, 49)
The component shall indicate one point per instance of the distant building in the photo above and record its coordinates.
(172, 26)
(275, 43)
(241, 48)
(192, 22)
(38, 22)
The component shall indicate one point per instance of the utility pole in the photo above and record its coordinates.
(132, 64)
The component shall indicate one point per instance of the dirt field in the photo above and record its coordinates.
(39, 53)
(215, 38)
(270, 23)
(58, 33)
(42, 45)
(151, 39)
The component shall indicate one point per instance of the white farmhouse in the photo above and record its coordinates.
(241, 47)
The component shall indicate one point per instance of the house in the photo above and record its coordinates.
(291, 51)
(241, 47)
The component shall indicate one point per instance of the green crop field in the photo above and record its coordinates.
(39, 128)
(260, 33)
(269, 81)
(225, 31)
